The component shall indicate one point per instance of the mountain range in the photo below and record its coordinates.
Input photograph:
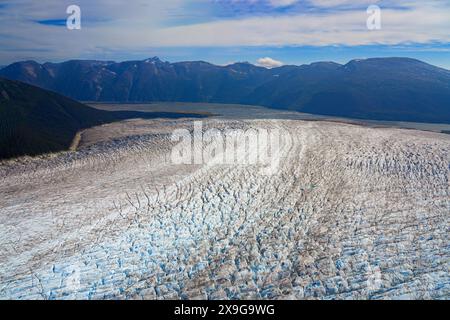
(400, 89)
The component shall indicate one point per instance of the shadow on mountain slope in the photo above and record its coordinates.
(35, 121)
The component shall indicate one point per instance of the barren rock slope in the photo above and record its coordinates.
(351, 212)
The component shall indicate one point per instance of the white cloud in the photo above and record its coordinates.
(269, 63)
(316, 3)
(336, 3)
(114, 25)
(422, 24)
(282, 3)
(273, 3)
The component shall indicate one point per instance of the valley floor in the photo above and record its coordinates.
(351, 212)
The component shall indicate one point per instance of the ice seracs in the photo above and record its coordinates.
(351, 213)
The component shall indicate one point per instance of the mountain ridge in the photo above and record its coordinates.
(400, 89)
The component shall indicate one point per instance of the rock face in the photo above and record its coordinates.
(351, 212)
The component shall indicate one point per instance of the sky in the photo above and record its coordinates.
(265, 32)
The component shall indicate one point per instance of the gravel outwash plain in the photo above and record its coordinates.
(351, 213)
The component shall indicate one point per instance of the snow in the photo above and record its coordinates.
(352, 212)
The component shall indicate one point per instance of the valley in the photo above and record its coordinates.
(249, 112)
(225, 154)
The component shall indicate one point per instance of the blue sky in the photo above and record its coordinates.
(225, 31)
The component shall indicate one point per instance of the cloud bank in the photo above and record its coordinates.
(269, 63)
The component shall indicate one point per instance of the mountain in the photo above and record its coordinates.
(148, 80)
(35, 121)
(380, 88)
